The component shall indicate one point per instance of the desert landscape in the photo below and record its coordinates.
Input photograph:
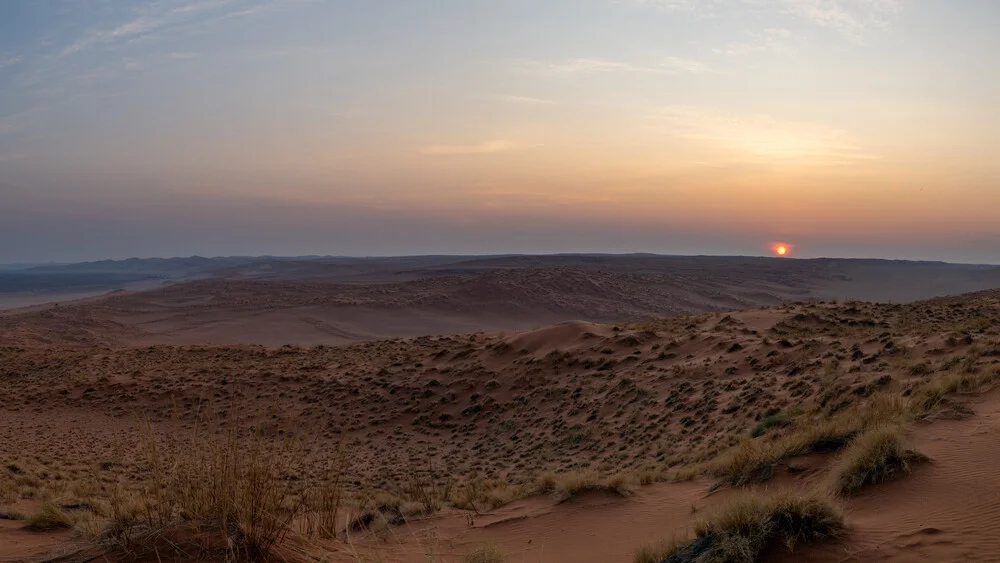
(499, 281)
(734, 412)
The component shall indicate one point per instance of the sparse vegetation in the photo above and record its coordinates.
(476, 423)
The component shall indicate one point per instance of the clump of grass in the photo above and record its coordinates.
(749, 462)
(377, 512)
(7, 513)
(210, 491)
(50, 517)
(322, 505)
(754, 460)
(657, 552)
(767, 423)
(878, 455)
(488, 553)
(931, 397)
(739, 531)
(481, 495)
(566, 485)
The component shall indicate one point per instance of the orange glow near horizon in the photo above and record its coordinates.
(781, 249)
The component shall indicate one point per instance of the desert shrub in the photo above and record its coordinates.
(50, 517)
(740, 530)
(878, 455)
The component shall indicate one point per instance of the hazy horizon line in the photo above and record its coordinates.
(489, 255)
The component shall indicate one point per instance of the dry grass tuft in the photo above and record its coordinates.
(482, 495)
(739, 531)
(565, 485)
(754, 459)
(488, 553)
(212, 491)
(658, 552)
(7, 513)
(50, 517)
(876, 456)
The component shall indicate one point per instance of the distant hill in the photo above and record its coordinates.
(331, 300)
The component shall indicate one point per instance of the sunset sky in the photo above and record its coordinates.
(856, 128)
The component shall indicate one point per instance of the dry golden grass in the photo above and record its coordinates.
(876, 456)
(657, 552)
(738, 531)
(481, 495)
(485, 554)
(7, 513)
(754, 459)
(50, 517)
(931, 397)
(566, 485)
(209, 491)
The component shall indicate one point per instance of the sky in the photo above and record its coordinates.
(849, 128)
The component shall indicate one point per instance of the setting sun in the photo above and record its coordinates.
(781, 249)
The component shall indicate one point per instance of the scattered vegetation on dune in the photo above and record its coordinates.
(665, 400)
(754, 460)
(740, 530)
(878, 455)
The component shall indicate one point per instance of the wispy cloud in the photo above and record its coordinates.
(852, 18)
(8, 60)
(668, 65)
(764, 138)
(15, 122)
(771, 40)
(488, 147)
(700, 7)
(523, 100)
(157, 16)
